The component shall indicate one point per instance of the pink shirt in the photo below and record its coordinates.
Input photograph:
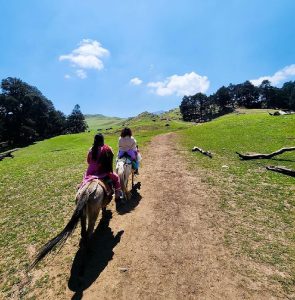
(94, 167)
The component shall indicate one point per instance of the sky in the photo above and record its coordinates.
(120, 58)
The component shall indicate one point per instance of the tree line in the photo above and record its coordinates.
(26, 115)
(201, 107)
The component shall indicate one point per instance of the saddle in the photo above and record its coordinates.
(128, 160)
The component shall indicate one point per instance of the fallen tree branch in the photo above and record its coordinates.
(207, 153)
(281, 113)
(7, 154)
(282, 170)
(259, 155)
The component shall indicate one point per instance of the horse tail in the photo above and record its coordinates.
(81, 199)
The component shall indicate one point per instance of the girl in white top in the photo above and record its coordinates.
(127, 145)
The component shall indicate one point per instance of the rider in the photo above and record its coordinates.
(127, 145)
(100, 163)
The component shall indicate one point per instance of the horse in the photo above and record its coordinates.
(90, 199)
(124, 170)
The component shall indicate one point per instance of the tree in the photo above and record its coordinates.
(200, 107)
(58, 122)
(187, 108)
(222, 98)
(193, 107)
(288, 95)
(76, 122)
(265, 92)
(26, 114)
(248, 95)
(201, 103)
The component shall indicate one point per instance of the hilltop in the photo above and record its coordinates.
(99, 121)
(147, 122)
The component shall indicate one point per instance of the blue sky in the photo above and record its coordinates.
(120, 58)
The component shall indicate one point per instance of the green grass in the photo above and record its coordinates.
(38, 187)
(173, 114)
(259, 204)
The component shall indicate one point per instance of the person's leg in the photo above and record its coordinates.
(117, 185)
(135, 165)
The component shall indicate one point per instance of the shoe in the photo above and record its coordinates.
(118, 194)
(136, 172)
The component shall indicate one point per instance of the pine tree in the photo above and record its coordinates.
(76, 122)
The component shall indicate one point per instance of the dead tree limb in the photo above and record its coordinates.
(260, 156)
(7, 154)
(207, 153)
(282, 170)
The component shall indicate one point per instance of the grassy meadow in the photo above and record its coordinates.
(38, 187)
(259, 204)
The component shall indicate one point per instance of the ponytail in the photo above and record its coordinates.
(98, 142)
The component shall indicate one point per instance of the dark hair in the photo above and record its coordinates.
(98, 142)
(126, 132)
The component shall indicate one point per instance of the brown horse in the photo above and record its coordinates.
(90, 199)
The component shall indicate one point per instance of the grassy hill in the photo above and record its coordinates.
(259, 204)
(96, 122)
(38, 186)
(102, 122)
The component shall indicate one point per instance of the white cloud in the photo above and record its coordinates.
(187, 84)
(81, 74)
(135, 81)
(88, 55)
(67, 76)
(277, 77)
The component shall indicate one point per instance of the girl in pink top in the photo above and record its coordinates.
(100, 163)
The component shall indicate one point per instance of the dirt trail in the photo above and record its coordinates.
(166, 245)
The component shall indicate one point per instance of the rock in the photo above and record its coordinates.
(122, 269)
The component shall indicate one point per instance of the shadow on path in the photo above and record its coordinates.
(129, 205)
(91, 261)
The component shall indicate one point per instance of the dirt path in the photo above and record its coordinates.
(166, 245)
